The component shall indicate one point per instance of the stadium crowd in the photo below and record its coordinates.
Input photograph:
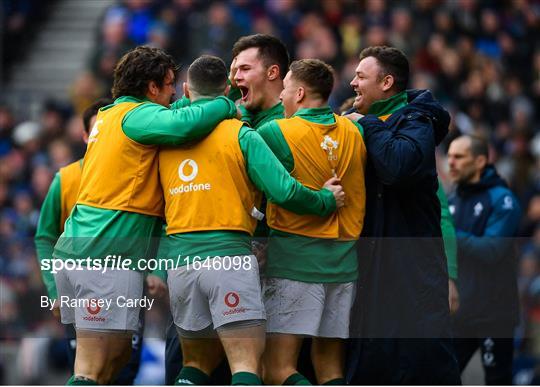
(478, 57)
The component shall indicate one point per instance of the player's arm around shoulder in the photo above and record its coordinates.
(398, 148)
(153, 124)
(273, 137)
(268, 175)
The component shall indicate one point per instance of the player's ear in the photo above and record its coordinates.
(387, 82)
(152, 89)
(273, 72)
(85, 137)
(227, 89)
(185, 89)
(300, 94)
(481, 162)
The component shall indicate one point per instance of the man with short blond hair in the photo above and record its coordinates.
(311, 270)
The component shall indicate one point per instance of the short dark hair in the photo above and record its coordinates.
(92, 110)
(272, 51)
(479, 145)
(315, 74)
(392, 61)
(207, 76)
(138, 67)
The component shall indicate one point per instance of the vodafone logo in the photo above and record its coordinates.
(232, 299)
(194, 170)
(93, 310)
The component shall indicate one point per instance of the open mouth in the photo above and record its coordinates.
(244, 91)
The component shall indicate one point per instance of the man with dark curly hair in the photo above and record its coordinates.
(119, 208)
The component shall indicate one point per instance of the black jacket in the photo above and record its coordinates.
(403, 283)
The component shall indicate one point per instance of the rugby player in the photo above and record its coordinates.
(259, 65)
(212, 190)
(59, 202)
(56, 207)
(311, 269)
(120, 203)
(260, 62)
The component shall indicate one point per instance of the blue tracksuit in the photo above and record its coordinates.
(486, 216)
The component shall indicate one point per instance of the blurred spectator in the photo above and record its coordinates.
(41, 180)
(53, 119)
(177, 16)
(7, 123)
(401, 33)
(351, 35)
(315, 39)
(487, 43)
(60, 153)
(285, 15)
(158, 35)
(376, 14)
(20, 20)
(112, 44)
(214, 32)
(27, 137)
(85, 90)
(140, 19)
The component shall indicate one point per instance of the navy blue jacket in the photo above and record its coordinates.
(403, 282)
(486, 216)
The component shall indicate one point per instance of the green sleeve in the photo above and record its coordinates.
(360, 127)
(449, 234)
(234, 93)
(48, 231)
(272, 135)
(247, 116)
(181, 103)
(268, 175)
(152, 124)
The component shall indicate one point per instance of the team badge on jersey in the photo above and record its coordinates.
(94, 132)
(330, 145)
(478, 208)
(508, 203)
